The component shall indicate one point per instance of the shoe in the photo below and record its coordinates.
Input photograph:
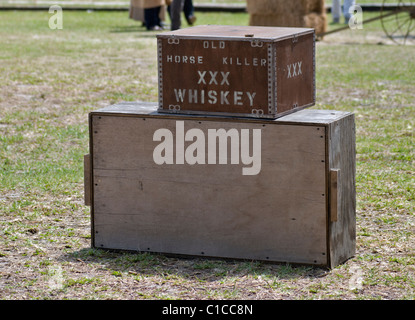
(155, 28)
(191, 20)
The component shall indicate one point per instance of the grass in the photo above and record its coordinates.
(51, 79)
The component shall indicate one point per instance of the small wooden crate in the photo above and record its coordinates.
(264, 72)
(298, 208)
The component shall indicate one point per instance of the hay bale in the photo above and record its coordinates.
(283, 13)
(279, 20)
(315, 6)
(316, 21)
(273, 6)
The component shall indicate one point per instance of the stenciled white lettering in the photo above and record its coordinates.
(214, 44)
(184, 59)
(237, 61)
(223, 97)
(213, 77)
(294, 69)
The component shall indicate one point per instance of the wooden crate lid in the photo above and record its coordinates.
(236, 32)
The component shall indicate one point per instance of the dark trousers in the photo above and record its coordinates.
(152, 18)
(188, 8)
(175, 10)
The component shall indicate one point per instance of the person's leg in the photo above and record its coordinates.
(188, 10)
(176, 9)
(159, 23)
(336, 10)
(346, 7)
(149, 18)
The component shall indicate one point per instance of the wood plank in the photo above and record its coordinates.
(223, 222)
(149, 109)
(342, 156)
(114, 136)
(314, 117)
(87, 180)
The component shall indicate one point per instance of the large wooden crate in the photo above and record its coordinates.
(244, 71)
(298, 208)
